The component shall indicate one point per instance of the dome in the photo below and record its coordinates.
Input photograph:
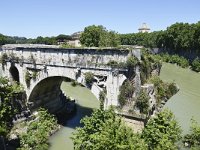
(144, 28)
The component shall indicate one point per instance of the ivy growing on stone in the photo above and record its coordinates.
(102, 96)
(27, 78)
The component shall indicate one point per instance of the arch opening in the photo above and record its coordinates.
(48, 93)
(14, 73)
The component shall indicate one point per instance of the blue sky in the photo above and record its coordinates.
(32, 18)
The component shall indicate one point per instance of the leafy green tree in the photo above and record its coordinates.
(109, 39)
(63, 38)
(7, 110)
(98, 36)
(193, 138)
(38, 131)
(142, 102)
(162, 132)
(2, 39)
(163, 90)
(105, 130)
(91, 35)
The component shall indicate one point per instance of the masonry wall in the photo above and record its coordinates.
(72, 57)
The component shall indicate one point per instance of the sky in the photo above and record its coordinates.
(32, 18)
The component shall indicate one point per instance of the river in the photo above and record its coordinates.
(186, 103)
(86, 101)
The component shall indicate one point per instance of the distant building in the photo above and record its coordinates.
(144, 28)
(76, 35)
(75, 42)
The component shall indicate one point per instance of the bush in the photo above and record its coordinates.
(89, 77)
(38, 131)
(142, 102)
(102, 96)
(27, 78)
(196, 65)
(74, 83)
(113, 64)
(34, 75)
(193, 138)
(4, 56)
(163, 90)
(175, 59)
(126, 92)
(131, 61)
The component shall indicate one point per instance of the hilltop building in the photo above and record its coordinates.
(144, 28)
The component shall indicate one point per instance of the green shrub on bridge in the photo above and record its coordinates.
(89, 77)
(27, 78)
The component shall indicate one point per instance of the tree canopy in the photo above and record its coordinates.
(38, 131)
(162, 132)
(105, 130)
(7, 110)
(193, 138)
(177, 38)
(99, 36)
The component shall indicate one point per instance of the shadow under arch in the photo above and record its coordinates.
(14, 73)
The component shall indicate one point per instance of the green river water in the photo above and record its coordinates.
(186, 103)
(85, 101)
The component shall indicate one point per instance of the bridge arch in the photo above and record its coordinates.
(47, 93)
(14, 73)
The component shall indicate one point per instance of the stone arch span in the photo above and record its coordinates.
(48, 94)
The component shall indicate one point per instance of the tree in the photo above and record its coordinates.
(105, 130)
(38, 131)
(91, 36)
(142, 102)
(193, 138)
(7, 110)
(63, 38)
(2, 39)
(99, 36)
(109, 39)
(126, 92)
(162, 132)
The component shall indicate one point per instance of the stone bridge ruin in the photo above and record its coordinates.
(41, 70)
